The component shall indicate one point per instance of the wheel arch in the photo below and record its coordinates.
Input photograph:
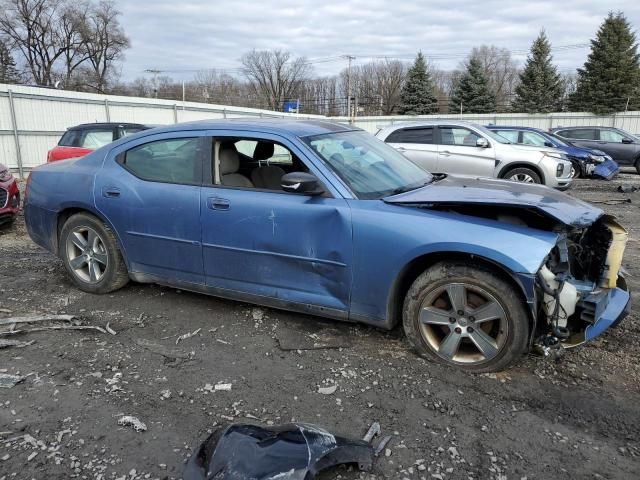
(510, 166)
(67, 212)
(415, 267)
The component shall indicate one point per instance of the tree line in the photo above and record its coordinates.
(80, 45)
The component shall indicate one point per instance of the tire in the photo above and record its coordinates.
(443, 335)
(91, 255)
(576, 170)
(638, 166)
(526, 175)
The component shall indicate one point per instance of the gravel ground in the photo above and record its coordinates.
(577, 418)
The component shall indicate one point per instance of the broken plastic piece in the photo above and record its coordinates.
(7, 380)
(289, 452)
(374, 430)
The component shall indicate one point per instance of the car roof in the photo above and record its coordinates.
(291, 126)
(430, 123)
(511, 127)
(83, 126)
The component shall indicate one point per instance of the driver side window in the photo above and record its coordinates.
(611, 136)
(458, 136)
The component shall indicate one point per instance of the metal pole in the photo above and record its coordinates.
(349, 58)
(175, 113)
(106, 109)
(183, 95)
(14, 124)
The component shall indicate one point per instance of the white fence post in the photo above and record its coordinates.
(14, 124)
(106, 109)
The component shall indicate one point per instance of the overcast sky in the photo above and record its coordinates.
(180, 36)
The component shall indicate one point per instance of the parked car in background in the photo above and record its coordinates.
(461, 148)
(9, 196)
(585, 162)
(82, 139)
(323, 218)
(623, 147)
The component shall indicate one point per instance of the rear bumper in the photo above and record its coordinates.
(618, 307)
(41, 226)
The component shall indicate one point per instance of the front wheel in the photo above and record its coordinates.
(467, 317)
(576, 171)
(91, 255)
(638, 166)
(523, 175)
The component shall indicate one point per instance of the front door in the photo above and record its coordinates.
(459, 154)
(149, 191)
(288, 249)
(613, 142)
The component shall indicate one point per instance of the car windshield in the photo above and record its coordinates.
(371, 168)
(556, 139)
(493, 135)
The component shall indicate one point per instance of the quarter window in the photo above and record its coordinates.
(458, 136)
(422, 135)
(177, 160)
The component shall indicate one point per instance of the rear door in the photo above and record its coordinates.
(149, 190)
(458, 153)
(417, 144)
(581, 137)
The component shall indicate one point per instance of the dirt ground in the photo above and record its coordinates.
(578, 418)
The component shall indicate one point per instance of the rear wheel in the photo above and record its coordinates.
(523, 175)
(91, 255)
(465, 316)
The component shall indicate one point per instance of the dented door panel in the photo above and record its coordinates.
(293, 248)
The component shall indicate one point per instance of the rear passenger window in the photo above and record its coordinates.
(411, 135)
(176, 160)
(532, 138)
(579, 133)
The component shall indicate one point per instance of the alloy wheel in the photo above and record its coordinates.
(522, 177)
(87, 254)
(463, 323)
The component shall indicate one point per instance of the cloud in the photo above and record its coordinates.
(180, 37)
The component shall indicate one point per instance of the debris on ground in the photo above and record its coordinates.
(287, 452)
(131, 421)
(109, 330)
(187, 335)
(327, 338)
(374, 430)
(627, 188)
(328, 390)
(162, 349)
(220, 387)
(15, 343)
(36, 318)
(7, 380)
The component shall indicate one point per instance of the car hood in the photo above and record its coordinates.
(531, 148)
(454, 190)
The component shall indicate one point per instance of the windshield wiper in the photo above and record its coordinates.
(408, 188)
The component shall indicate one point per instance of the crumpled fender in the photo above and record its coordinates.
(296, 451)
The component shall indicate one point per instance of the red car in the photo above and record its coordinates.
(83, 139)
(9, 196)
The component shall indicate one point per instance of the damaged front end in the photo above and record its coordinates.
(289, 452)
(581, 286)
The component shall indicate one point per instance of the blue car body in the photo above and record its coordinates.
(592, 162)
(333, 255)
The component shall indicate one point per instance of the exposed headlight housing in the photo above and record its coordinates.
(596, 158)
(558, 155)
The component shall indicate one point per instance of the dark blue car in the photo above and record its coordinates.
(325, 219)
(585, 162)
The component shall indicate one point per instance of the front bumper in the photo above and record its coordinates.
(549, 167)
(607, 169)
(618, 307)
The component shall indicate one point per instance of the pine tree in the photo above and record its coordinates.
(8, 71)
(611, 75)
(541, 88)
(473, 91)
(417, 96)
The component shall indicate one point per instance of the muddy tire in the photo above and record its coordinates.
(523, 175)
(466, 316)
(91, 255)
(576, 170)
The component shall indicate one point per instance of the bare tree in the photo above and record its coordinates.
(32, 27)
(501, 70)
(105, 41)
(390, 75)
(72, 24)
(213, 86)
(274, 75)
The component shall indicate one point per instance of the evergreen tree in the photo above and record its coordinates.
(8, 71)
(473, 91)
(417, 96)
(541, 88)
(611, 75)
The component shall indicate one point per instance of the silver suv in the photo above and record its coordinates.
(443, 146)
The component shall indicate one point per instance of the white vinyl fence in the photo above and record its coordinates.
(33, 119)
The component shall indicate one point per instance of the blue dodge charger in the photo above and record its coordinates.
(322, 218)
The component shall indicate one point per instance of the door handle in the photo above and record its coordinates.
(402, 149)
(217, 203)
(445, 153)
(110, 192)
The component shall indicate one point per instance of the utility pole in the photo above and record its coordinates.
(155, 73)
(349, 58)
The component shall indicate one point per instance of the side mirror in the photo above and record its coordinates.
(547, 143)
(482, 142)
(301, 182)
(627, 140)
